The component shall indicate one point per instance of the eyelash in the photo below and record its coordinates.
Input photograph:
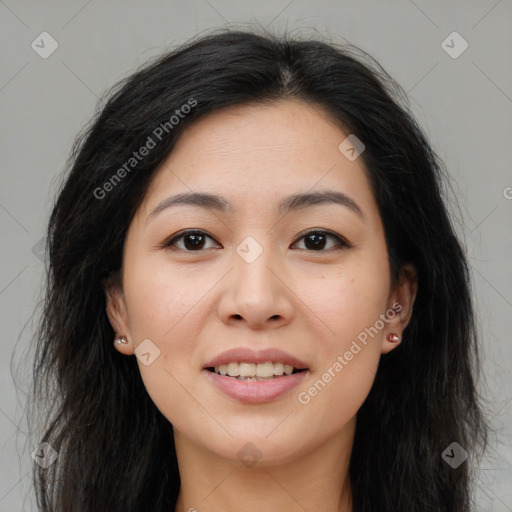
(341, 243)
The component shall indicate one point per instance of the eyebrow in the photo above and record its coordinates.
(291, 203)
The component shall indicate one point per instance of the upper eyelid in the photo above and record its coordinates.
(181, 234)
(341, 240)
(321, 230)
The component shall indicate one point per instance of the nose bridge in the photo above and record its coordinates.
(252, 273)
(257, 294)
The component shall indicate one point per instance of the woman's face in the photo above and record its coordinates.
(269, 281)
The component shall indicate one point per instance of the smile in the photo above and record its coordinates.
(255, 372)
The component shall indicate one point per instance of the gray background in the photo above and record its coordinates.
(464, 104)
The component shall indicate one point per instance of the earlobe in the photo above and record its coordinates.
(120, 340)
(393, 338)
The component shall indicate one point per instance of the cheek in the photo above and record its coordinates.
(159, 298)
(349, 352)
(347, 303)
(163, 307)
(350, 306)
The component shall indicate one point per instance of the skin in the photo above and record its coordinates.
(311, 303)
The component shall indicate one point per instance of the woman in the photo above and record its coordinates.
(256, 298)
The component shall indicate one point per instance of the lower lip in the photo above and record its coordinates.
(256, 392)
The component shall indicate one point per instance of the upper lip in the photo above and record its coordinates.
(247, 355)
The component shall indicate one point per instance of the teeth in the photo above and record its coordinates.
(265, 369)
(278, 368)
(233, 369)
(252, 371)
(247, 370)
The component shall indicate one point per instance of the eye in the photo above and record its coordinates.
(193, 240)
(317, 241)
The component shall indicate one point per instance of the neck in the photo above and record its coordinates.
(316, 480)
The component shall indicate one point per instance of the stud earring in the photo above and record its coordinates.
(120, 340)
(393, 338)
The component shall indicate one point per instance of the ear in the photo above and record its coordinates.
(400, 306)
(117, 313)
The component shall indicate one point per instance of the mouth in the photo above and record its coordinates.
(255, 377)
(255, 372)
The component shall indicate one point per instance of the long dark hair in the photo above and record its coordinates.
(115, 449)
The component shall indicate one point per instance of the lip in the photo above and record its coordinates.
(247, 355)
(255, 392)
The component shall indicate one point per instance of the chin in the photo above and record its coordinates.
(262, 446)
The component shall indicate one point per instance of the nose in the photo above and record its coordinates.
(256, 294)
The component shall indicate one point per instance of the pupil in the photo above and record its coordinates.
(318, 240)
(194, 241)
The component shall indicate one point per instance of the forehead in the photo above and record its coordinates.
(259, 153)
